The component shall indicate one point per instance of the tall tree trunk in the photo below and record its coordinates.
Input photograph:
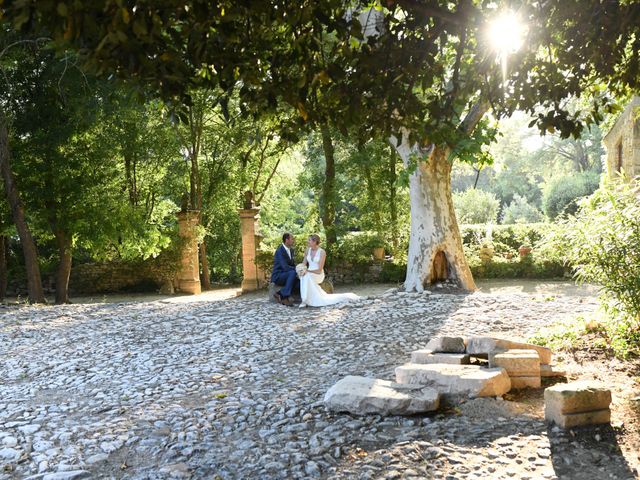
(34, 281)
(328, 202)
(372, 198)
(64, 267)
(4, 273)
(204, 262)
(435, 245)
(393, 208)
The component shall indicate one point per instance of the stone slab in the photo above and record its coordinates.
(446, 345)
(576, 397)
(456, 381)
(571, 420)
(517, 362)
(427, 356)
(551, 371)
(483, 346)
(363, 395)
(525, 382)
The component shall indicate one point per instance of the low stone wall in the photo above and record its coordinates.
(349, 274)
(154, 274)
(346, 274)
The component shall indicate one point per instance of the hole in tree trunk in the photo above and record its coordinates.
(439, 268)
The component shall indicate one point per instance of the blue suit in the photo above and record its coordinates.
(284, 271)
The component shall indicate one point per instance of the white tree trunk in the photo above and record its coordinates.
(435, 235)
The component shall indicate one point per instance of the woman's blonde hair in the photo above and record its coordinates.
(315, 238)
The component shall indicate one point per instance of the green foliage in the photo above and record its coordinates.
(530, 266)
(619, 336)
(506, 262)
(393, 272)
(561, 194)
(521, 211)
(513, 236)
(476, 206)
(602, 242)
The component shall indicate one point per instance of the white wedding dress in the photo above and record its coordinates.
(310, 290)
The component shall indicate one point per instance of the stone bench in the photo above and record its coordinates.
(327, 286)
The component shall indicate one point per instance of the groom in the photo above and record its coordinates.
(284, 271)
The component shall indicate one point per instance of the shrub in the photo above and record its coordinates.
(476, 206)
(357, 247)
(602, 241)
(561, 194)
(521, 211)
(393, 272)
(510, 236)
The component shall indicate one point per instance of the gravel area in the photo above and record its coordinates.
(233, 388)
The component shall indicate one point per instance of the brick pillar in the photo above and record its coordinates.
(188, 278)
(253, 277)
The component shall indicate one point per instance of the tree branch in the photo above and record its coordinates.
(473, 117)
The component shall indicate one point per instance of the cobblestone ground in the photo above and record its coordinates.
(233, 389)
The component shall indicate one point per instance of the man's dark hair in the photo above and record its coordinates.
(286, 237)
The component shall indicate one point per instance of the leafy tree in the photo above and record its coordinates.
(561, 194)
(476, 206)
(420, 71)
(521, 211)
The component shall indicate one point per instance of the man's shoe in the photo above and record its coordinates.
(277, 297)
(287, 301)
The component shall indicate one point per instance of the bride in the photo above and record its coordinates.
(311, 278)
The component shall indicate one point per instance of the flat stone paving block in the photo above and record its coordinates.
(465, 380)
(363, 395)
(577, 397)
(484, 345)
(517, 362)
(446, 345)
(427, 356)
(571, 420)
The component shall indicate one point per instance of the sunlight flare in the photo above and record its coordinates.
(506, 36)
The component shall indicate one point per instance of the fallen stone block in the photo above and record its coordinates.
(362, 396)
(446, 345)
(483, 346)
(456, 381)
(427, 356)
(517, 362)
(551, 371)
(525, 382)
(576, 397)
(571, 420)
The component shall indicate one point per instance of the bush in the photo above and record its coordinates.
(393, 272)
(510, 236)
(476, 206)
(561, 194)
(531, 266)
(506, 262)
(602, 241)
(521, 211)
(356, 248)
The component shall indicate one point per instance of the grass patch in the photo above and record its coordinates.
(618, 337)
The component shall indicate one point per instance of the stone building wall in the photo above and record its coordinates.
(623, 143)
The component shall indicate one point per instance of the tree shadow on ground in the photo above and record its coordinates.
(588, 453)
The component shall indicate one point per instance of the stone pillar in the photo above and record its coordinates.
(188, 278)
(252, 275)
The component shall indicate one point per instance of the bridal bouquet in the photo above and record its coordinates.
(301, 269)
